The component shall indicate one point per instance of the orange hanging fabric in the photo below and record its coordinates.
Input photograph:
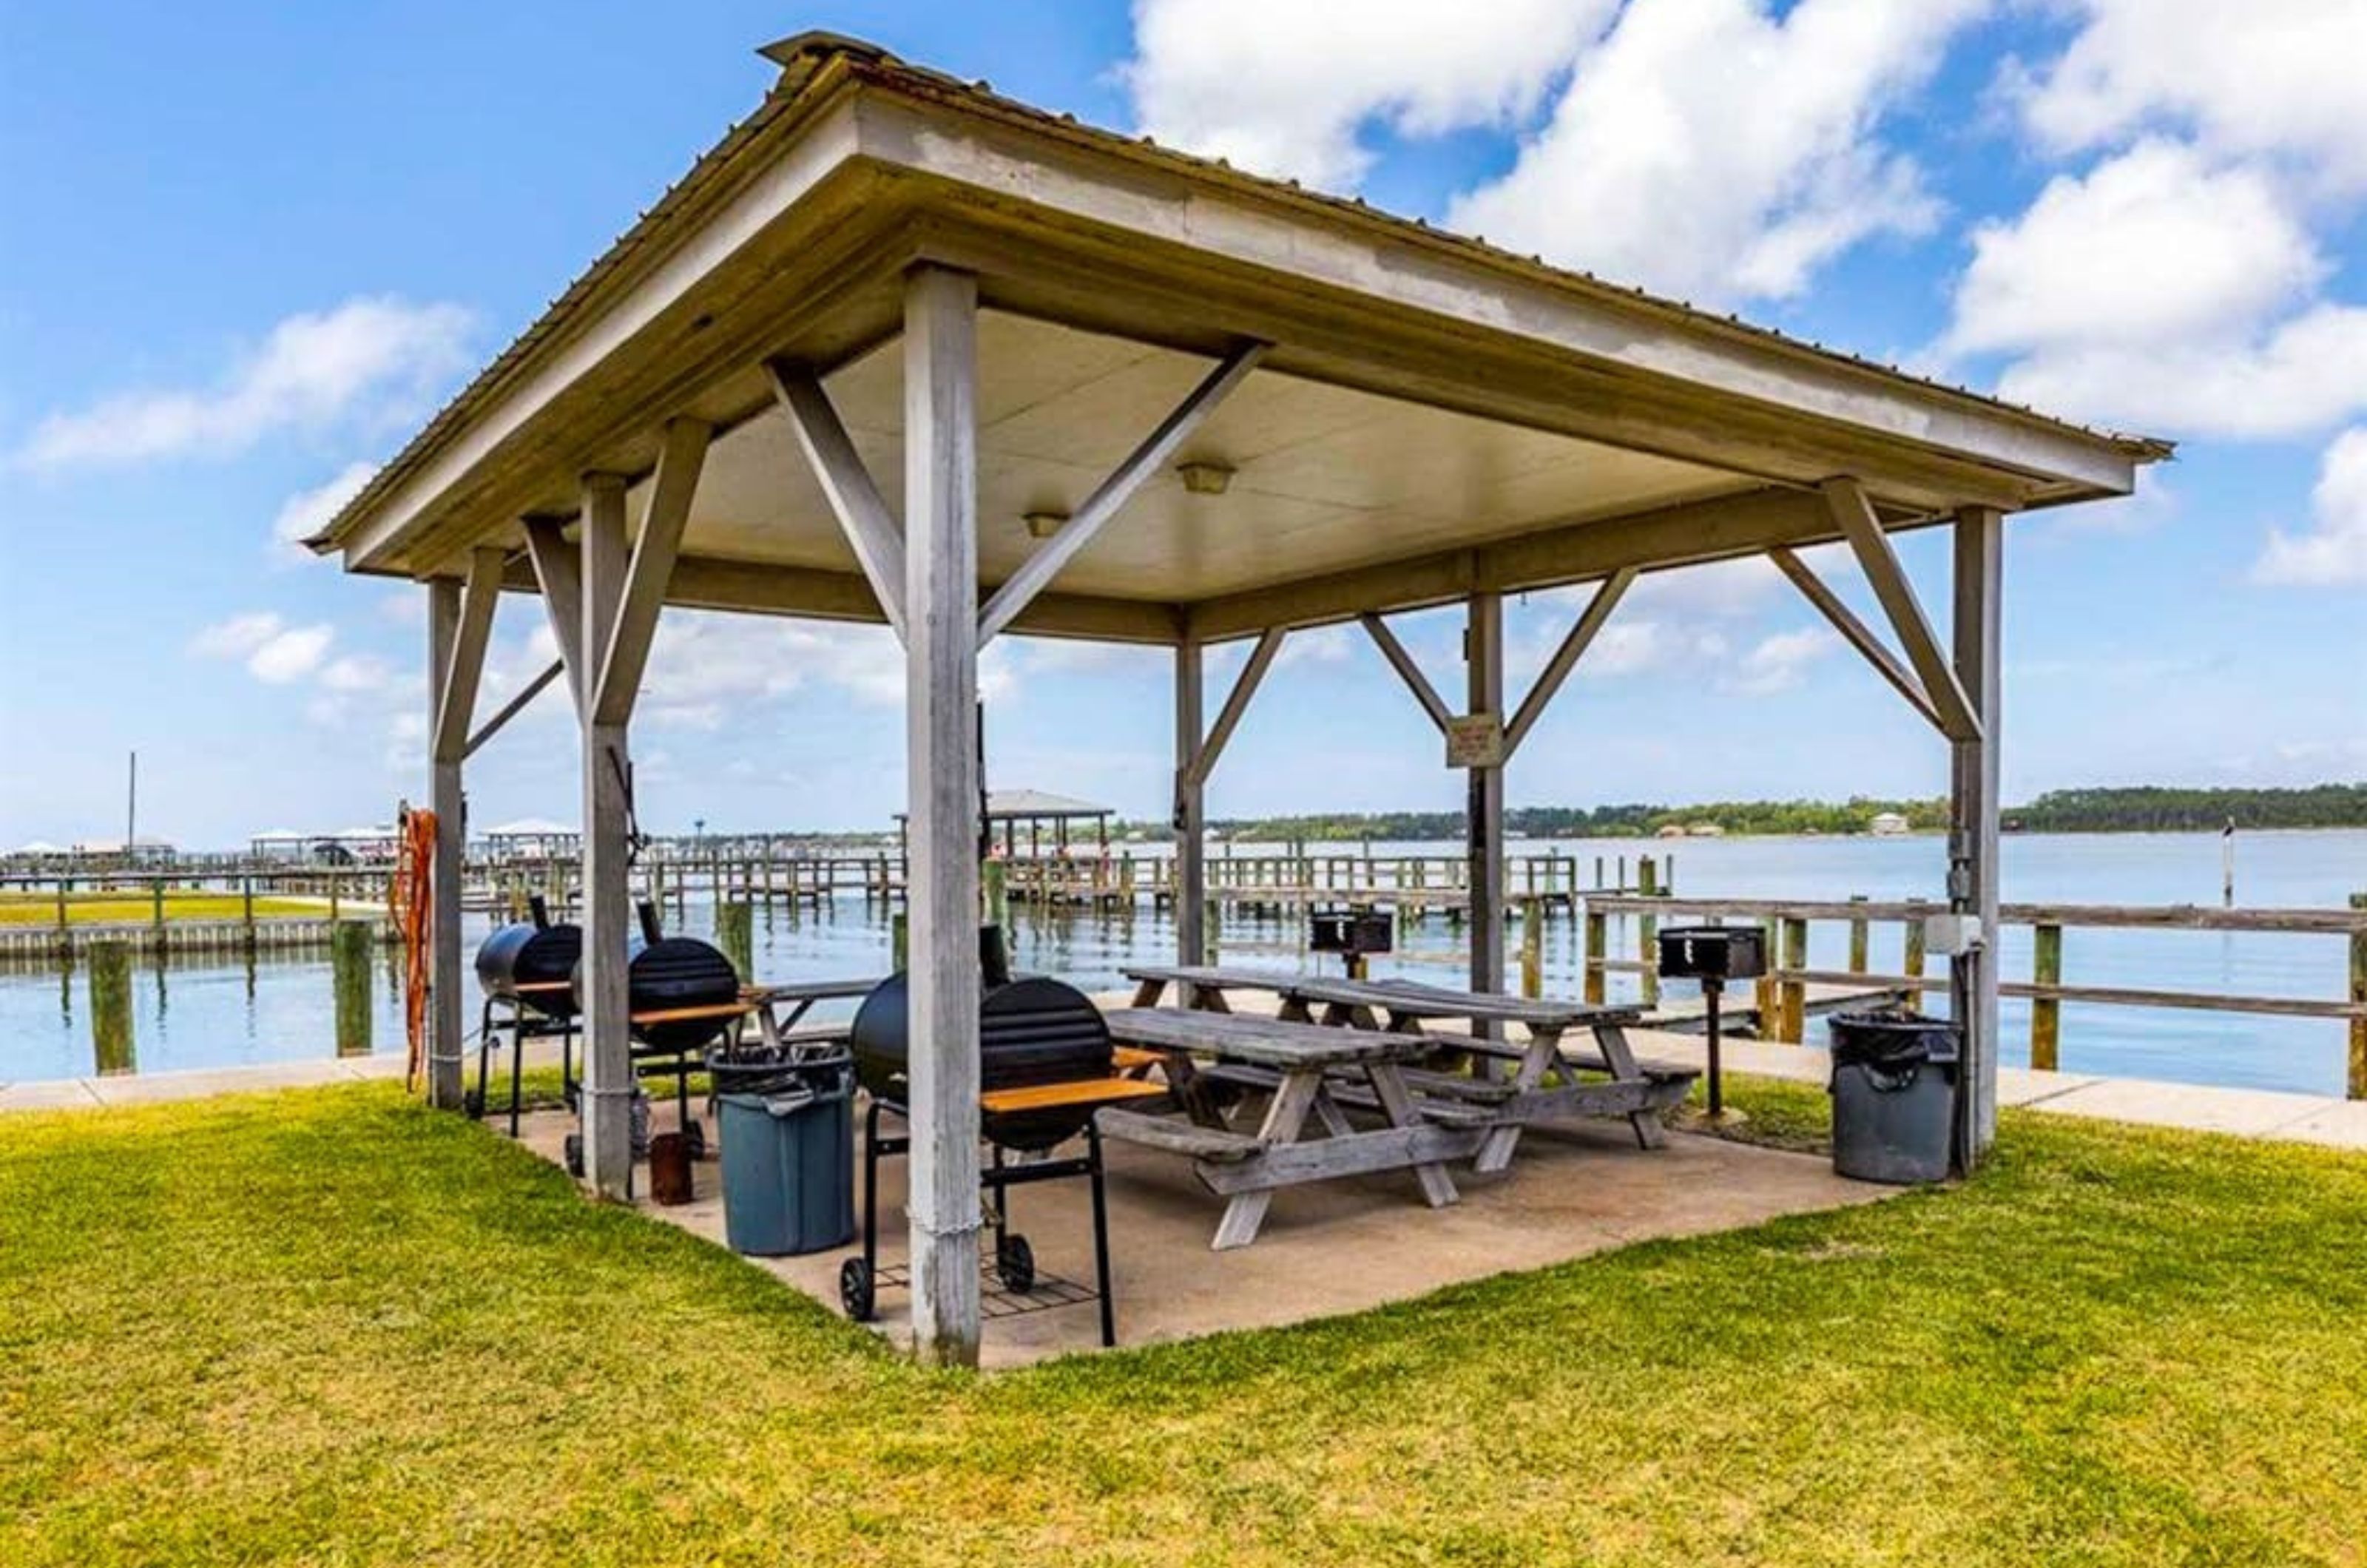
(412, 899)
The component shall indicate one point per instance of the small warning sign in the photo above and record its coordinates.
(1475, 741)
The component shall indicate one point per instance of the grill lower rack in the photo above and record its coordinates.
(995, 1301)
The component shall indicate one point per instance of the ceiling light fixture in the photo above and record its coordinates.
(1206, 479)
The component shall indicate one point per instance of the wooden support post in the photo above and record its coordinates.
(608, 1094)
(2046, 1012)
(156, 897)
(110, 1008)
(1973, 816)
(1189, 889)
(1483, 656)
(2358, 1075)
(1792, 992)
(1597, 939)
(450, 811)
(941, 760)
(1533, 950)
(246, 913)
(349, 952)
(1857, 938)
(1912, 958)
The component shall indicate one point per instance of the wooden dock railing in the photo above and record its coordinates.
(1782, 991)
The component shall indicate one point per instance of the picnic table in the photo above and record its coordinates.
(1543, 1083)
(1311, 1072)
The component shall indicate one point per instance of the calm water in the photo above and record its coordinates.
(203, 1014)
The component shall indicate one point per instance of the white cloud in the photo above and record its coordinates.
(2158, 241)
(1285, 87)
(2164, 290)
(1778, 662)
(2278, 77)
(1317, 645)
(308, 511)
(370, 360)
(291, 655)
(1635, 647)
(237, 637)
(274, 652)
(2333, 551)
(2301, 376)
(1711, 148)
(356, 673)
(706, 667)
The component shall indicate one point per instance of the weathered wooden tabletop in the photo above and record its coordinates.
(1267, 1041)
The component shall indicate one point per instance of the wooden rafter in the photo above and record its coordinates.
(1854, 516)
(514, 707)
(559, 573)
(682, 454)
(1408, 670)
(870, 528)
(1856, 633)
(457, 694)
(1037, 572)
(1565, 659)
(1237, 703)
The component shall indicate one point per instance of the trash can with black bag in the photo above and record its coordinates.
(1894, 1089)
(787, 1126)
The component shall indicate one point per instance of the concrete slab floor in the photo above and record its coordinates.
(1336, 1248)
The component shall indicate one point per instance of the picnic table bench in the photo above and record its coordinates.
(1308, 1070)
(1543, 1082)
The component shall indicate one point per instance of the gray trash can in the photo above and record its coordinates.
(787, 1130)
(1894, 1089)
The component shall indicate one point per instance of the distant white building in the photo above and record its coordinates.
(1887, 825)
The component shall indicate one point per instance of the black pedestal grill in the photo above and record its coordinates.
(526, 972)
(1031, 1033)
(1712, 956)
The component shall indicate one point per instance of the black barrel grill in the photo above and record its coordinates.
(535, 955)
(1031, 1032)
(666, 972)
(526, 972)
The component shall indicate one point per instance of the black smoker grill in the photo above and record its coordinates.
(526, 972)
(1712, 956)
(1031, 1032)
(666, 974)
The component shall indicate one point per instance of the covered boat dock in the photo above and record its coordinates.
(900, 350)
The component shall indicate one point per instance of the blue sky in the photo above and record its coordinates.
(247, 249)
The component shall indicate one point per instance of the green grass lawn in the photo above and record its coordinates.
(328, 1327)
(127, 908)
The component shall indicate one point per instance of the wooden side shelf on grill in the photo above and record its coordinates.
(1081, 1091)
(716, 1010)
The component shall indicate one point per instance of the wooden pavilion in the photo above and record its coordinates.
(900, 350)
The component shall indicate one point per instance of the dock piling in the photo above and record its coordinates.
(110, 1008)
(349, 949)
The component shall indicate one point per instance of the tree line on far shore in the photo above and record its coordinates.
(2138, 809)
